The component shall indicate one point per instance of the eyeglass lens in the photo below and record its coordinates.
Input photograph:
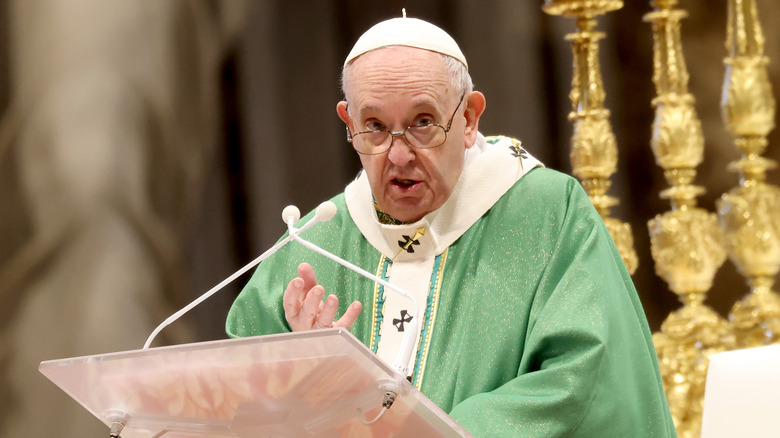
(418, 136)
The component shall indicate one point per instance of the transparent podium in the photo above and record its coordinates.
(321, 384)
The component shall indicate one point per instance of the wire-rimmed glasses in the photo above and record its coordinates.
(426, 136)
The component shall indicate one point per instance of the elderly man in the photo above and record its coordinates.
(531, 324)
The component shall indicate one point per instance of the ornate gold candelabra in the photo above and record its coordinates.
(686, 242)
(593, 145)
(750, 213)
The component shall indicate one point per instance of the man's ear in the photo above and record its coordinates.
(475, 106)
(341, 110)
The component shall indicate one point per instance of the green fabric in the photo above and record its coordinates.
(385, 218)
(539, 331)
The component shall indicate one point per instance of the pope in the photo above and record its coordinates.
(530, 324)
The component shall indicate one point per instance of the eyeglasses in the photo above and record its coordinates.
(424, 136)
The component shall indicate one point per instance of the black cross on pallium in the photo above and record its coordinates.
(517, 151)
(399, 323)
(407, 243)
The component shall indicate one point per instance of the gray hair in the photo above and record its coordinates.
(457, 74)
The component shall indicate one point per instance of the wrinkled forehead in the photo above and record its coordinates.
(399, 71)
(397, 62)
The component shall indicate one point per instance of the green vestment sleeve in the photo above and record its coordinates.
(588, 367)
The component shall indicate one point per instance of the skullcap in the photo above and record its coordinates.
(409, 32)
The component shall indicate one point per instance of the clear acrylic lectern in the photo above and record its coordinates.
(322, 383)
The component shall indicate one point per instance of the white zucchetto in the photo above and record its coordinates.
(409, 32)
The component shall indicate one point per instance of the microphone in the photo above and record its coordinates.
(325, 211)
(290, 213)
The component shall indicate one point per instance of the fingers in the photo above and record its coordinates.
(304, 308)
(302, 299)
(293, 298)
(311, 307)
(328, 313)
(306, 272)
(301, 305)
(349, 317)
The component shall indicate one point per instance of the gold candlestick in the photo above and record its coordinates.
(593, 145)
(686, 243)
(750, 213)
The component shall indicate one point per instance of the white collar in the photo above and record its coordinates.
(491, 168)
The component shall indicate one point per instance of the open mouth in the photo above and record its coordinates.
(404, 182)
(405, 185)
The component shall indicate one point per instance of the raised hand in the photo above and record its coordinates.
(304, 308)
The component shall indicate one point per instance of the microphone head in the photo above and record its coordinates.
(325, 211)
(291, 212)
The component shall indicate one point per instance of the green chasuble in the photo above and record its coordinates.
(531, 325)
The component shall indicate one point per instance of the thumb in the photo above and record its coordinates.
(349, 317)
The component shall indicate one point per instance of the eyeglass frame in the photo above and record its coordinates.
(393, 134)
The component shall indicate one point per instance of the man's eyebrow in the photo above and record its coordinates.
(417, 105)
(369, 108)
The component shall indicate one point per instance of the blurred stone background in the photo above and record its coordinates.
(147, 148)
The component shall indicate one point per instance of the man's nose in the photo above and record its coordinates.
(401, 152)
